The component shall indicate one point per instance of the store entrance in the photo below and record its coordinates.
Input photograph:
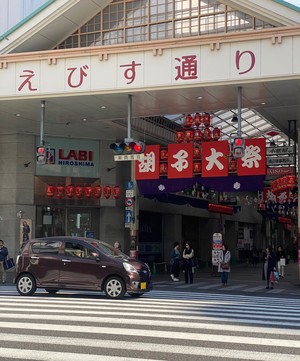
(78, 222)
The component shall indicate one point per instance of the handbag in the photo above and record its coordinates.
(225, 265)
(272, 278)
(276, 276)
(9, 263)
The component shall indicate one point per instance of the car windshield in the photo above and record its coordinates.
(107, 249)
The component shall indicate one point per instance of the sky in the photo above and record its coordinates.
(294, 2)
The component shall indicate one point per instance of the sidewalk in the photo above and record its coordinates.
(242, 273)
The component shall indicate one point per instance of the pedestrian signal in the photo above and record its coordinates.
(238, 147)
(41, 154)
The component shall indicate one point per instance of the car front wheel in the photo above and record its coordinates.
(114, 287)
(26, 285)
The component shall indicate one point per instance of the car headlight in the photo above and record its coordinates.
(129, 268)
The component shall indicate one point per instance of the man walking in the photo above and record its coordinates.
(3, 255)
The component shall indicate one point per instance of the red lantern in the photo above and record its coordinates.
(206, 134)
(179, 136)
(216, 133)
(164, 154)
(97, 191)
(50, 191)
(197, 119)
(88, 192)
(60, 191)
(70, 191)
(197, 153)
(206, 119)
(232, 166)
(188, 121)
(79, 191)
(197, 135)
(116, 192)
(163, 168)
(197, 167)
(107, 192)
(189, 135)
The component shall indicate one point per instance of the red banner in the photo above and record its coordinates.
(254, 160)
(148, 168)
(215, 159)
(180, 162)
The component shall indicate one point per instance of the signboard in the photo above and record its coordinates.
(129, 185)
(217, 241)
(279, 150)
(128, 216)
(280, 171)
(129, 193)
(280, 161)
(89, 234)
(121, 157)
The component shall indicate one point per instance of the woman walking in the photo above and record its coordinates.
(269, 266)
(224, 264)
(175, 262)
(188, 254)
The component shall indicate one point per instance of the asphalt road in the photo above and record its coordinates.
(161, 325)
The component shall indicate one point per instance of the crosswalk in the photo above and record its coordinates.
(161, 325)
(214, 285)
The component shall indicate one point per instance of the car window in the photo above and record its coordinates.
(109, 250)
(73, 249)
(52, 247)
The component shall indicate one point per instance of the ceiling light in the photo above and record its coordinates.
(18, 114)
(199, 97)
(263, 103)
(84, 119)
(103, 107)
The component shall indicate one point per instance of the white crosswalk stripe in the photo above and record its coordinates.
(162, 325)
(215, 285)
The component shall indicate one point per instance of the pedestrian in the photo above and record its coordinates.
(269, 266)
(280, 259)
(187, 264)
(224, 264)
(117, 245)
(175, 262)
(3, 255)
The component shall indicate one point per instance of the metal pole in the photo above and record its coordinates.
(129, 116)
(239, 103)
(42, 122)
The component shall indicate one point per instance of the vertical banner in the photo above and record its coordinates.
(254, 160)
(148, 168)
(215, 159)
(180, 160)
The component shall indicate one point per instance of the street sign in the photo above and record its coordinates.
(129, 202)
(279, 150)
(121, 157)
(128, 216)
(280, 171)
(280, 161)
(129, 185)
(129, 193)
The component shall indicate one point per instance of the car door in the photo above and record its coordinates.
(44, 262)
(80, 266)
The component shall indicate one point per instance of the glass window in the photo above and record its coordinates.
(46, 247)
(74, 249)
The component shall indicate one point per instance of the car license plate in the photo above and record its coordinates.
(143, 285)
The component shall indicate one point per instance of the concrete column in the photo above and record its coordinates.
(172, 232)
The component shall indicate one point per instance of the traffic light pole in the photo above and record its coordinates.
(42, 122)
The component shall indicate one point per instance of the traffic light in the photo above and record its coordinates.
(134, 147)
(238, 147)
(41, 154)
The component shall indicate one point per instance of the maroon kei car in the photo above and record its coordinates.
(74, 263)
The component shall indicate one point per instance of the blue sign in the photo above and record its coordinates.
(128, 216)
(129, 185)
(89, 234)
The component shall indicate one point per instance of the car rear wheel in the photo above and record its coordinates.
(114, 288)
(135, 295)
(26, 285)
(52, 292)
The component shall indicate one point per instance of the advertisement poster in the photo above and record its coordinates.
(25, 231)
